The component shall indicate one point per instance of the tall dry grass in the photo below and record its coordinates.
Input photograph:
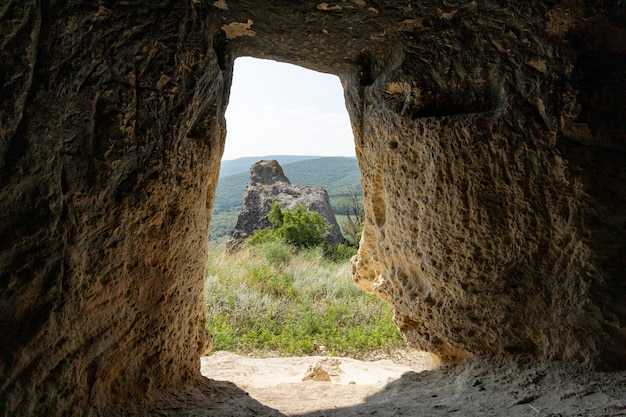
(270, 299)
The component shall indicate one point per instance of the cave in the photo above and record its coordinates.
(491, 138)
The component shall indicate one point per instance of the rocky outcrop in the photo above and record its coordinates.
(268, 184)
(491, 138)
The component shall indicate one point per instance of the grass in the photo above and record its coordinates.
(337, 175)
(271, 299)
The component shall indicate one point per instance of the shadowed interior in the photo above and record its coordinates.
(490, 137)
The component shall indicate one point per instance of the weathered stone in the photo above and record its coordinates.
(106, 190)
(267, 173)
(268, 184)
(324, 370)
(491, 138)
(487, 229)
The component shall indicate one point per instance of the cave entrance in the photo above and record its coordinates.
(283, 109)
(294, 115)
(272, 299)
(275, 298)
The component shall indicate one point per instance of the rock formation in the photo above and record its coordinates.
(492, 142)
(268, 184)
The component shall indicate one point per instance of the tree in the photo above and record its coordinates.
(352, 208)
(275, 216)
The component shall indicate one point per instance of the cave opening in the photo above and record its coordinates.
(496, 230)
(294, 115)
(277, 108)
(274, 299)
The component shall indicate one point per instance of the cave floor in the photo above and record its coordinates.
(477, 387)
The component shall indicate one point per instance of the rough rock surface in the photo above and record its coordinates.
(268, 184)
(491, 184)
(491, 137)
(479, 387)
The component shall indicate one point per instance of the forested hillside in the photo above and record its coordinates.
(337, 175)
(239, 165)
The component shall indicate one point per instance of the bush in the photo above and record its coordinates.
(262, 236)
(270, 281)
(299, 227)
(352, 208)
(277, 252)
(297, 230)
(275, 216)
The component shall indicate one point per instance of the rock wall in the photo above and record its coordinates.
(491, 184)
(491, 138)
(268, 184)
(112, 131)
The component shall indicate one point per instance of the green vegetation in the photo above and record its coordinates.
(239, 165)
(271, 298)
(285, 292)
(222, 224)
(302, 229)
(298, 227)
(353, 217)
(339, 176)
(334, 174)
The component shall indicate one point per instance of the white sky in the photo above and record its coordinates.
(283, 109)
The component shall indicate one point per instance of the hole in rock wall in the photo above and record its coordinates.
(291, 114)
(282, 109)
(274, 298)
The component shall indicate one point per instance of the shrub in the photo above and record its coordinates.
(270, 281)
(275, 216)
(299, 227)
(352, 208)
(262, 236)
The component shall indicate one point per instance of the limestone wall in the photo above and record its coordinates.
(481, 232)
(491, 139)
(112, 132)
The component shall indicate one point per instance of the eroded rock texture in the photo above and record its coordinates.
(268, 184)
(490, 135)
(112, 129)
(487, 229)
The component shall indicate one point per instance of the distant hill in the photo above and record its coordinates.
(337, 175)
(334, 174)
(239, 165)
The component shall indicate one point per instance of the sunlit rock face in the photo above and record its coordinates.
(492, 143)
(112, 131)
(493, 167)
(473, 231)
(268, 185)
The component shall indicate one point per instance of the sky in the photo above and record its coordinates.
(283, 109)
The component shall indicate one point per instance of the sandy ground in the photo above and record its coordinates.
(301, 385)
(327, 386)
